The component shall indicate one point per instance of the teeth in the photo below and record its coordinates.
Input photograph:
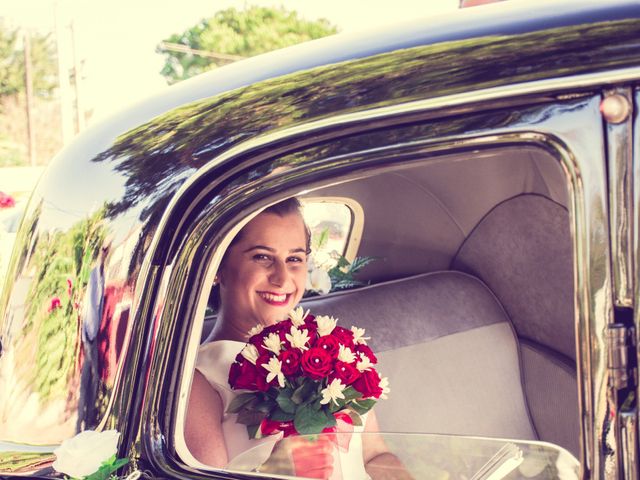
(274, 298)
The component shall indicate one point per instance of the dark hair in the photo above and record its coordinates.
(283, 208)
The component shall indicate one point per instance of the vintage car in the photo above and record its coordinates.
(487, 160)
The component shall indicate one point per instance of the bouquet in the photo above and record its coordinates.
(302, 375)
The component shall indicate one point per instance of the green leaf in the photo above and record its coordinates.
(264, 406)
(285, 403)
(247, 417)
(309, 421)
(279, 416)
(107, 468)
(356, 419)
(362, 406)
(322, 239)
(351, 393)
(331, 420)
(359, 263)
(252, 430)
(342, 262)
(302, 393)
(239, 402)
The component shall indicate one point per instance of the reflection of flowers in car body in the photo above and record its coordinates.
(90, 455)
(6, 201)
(317, 372)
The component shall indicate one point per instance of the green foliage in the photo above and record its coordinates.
(63, 256)
(243, 33)
(298, 401)
(107, 468)
(343, 274)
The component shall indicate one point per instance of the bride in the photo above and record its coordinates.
(261, 279)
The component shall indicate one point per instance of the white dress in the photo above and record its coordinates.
(214, 360)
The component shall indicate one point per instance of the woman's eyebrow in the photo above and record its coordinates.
(269, 249)
(259, 247)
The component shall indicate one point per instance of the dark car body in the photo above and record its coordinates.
(140, 206)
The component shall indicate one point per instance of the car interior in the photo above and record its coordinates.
(469, 302)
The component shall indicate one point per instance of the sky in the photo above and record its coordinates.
(115, 40)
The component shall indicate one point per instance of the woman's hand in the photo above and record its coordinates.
(313, 458)
(302, 457)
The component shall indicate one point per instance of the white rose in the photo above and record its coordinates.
(83, 454)
(319, 281)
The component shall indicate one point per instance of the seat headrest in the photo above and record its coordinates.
(412, 310)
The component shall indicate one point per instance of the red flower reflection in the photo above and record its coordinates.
(54, 304)
(6, 201)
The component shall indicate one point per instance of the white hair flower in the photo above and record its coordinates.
(273, 343)
(274, 367)
(298, 338)
(333, 392)
(326, 325)
(297, 316)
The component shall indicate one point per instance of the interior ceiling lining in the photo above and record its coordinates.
(416, 217)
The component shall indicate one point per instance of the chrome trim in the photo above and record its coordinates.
(629, 444)
(619, 154)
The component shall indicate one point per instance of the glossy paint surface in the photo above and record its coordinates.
(79, 319)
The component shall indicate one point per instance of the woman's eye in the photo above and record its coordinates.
(296, 259)
(262, 258)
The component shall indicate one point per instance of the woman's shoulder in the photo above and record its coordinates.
(215, 359)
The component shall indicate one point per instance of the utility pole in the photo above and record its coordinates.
(80, 119)
(28, 83)
(66, 110)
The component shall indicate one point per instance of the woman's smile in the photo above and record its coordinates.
(275, 299)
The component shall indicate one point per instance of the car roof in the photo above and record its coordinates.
(497, 20)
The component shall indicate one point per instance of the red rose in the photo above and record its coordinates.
(242, 375)
(281, 328)
(368, 384)
(316, 363)
(312, 328)
(257, 341)
(269, 427)
(290, 361)
(344, 336)
(330, 344)
(346, 372)
(361, 348)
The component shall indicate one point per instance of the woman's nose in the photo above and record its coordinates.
(279, 274)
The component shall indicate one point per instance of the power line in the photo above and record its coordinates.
(176, 47)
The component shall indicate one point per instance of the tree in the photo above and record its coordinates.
(232, 34)
(43, 61)
(14, 137)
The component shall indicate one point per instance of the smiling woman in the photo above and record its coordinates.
(263, 273)
(262, 277)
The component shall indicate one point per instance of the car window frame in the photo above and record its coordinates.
(292, 183)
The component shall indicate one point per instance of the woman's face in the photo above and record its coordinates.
(264, 272)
